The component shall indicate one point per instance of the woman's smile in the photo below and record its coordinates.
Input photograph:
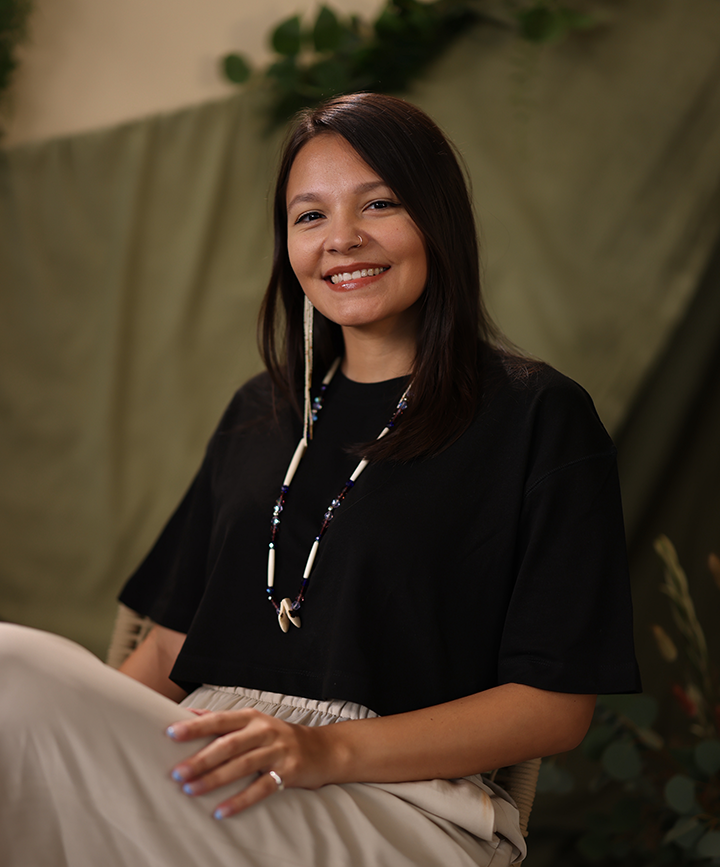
(356, 252)
(354, 276)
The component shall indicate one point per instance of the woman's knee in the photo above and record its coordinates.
(34, 663)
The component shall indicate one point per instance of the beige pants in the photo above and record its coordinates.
(85, 783)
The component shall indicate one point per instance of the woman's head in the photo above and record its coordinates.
(403, 146)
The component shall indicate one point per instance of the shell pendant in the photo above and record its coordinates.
(286, 615)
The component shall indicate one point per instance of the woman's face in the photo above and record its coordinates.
(358, 256)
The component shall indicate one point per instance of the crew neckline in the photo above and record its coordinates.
(348, 390)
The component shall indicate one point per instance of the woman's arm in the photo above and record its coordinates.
(491, 729)
(152, 662)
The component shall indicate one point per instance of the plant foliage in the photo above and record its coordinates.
(666, 809)
(13, 21)
(342, 55)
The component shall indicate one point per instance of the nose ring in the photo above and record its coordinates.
(360, 241)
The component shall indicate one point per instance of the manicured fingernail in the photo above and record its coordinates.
(179, 775)
(176, 730)
(188, 789)
(221, 813)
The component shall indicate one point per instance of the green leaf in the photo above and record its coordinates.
(286, 38)
(236, 68)
(596, 740)
(285, 72)
(575, 20)
(330, 76)
(625, 816)
(707, 757)
(388, 23)
(327, 32)
(639, 709)
(709, 845)
(622, 761)
(688, 840)
(680, 794)
(594, 847)
(542, 24)
(651, 739)
(554, 779)
(684, 756)
(681, 828)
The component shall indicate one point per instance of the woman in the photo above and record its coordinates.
(453, 591)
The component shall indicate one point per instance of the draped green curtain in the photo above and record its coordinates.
(132, 262)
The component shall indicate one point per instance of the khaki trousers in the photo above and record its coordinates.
(85, 767)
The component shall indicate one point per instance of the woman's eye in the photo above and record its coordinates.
(382, 204)
(308, 217)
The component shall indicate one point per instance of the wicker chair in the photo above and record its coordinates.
(519, 780)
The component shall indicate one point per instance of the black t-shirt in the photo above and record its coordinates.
(502, 559)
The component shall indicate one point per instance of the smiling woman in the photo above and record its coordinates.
(383, 583)
(358, 256)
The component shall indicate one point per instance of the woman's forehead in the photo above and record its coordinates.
(329, 162)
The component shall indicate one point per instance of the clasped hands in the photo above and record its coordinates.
(247, 742)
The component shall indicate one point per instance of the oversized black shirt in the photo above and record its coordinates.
(501, 559)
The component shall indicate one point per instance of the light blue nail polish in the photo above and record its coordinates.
(188, 789)
(170, 732)
(219, 814)
(176, 775)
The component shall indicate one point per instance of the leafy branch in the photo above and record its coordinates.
(666, 811)
(346, 54)
(14, 15)
(701, 693)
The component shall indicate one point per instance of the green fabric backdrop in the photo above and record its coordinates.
(133, 259)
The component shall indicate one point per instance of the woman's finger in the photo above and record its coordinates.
(213, 723)
(220, 751)
(265, 786)
(245, 765)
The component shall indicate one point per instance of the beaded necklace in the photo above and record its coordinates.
(288, 611)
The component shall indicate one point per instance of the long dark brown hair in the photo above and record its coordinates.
(403, 146)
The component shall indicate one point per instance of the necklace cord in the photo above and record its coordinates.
(287, 610)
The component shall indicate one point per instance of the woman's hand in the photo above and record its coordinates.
(248, 742)
(491, 729)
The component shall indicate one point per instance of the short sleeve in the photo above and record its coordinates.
(569, 623)
(169, 583)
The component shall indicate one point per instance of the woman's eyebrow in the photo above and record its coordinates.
(314, 197)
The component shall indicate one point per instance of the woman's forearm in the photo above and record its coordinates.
(152, 662)
(488, 730)
(491, 729)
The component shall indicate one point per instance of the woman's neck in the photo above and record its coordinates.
(377, 363)
(373, 357)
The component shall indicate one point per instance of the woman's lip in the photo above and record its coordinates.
(351, 269)
(354, 282)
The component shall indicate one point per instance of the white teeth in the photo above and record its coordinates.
(356, 275)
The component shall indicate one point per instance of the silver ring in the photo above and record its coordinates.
(278, 780)
(360, 239)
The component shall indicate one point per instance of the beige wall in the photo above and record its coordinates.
(93, 63)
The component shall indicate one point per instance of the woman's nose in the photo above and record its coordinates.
(343, 237)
